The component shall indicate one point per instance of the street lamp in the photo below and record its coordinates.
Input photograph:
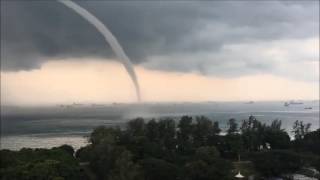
(239, 175)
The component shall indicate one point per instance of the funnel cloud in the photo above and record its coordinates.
(116, 47)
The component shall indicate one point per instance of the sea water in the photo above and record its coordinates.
(46, 127)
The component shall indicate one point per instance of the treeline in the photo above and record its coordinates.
(189, 149)
(40, 164)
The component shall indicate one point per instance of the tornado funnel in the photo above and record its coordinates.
(109, 37)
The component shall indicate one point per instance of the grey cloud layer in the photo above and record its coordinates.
(173, 36)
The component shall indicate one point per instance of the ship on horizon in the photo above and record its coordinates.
(292, 102)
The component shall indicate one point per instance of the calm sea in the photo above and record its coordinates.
(45, 127)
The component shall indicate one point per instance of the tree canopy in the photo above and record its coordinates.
(191, 148)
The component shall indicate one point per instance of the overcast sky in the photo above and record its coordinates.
(228, 40)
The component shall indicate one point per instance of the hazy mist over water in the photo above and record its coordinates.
(53, 126)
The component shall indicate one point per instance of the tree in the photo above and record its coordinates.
(152, 130)
(104, 134)
(184, 135)
(196, 170)
(257, 136)
(207, 165)
(202, 130)
(69, 149)
(233, 126)
(252, 132)
(185, 127)
(276, 137)
(136, 127)
(316, 164)
(39, 164)
(231, 146)
(276, 162)
(158, 169)
(300, 129)
(84, 154)
(104, 158)
(125, 169)
(167, 131)
(276, 125)
(207, 154)
(310, 142)
(216, 129)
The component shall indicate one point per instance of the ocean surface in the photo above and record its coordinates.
(46, 127)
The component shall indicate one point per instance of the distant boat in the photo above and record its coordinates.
(250, 102)
(292, 103)
(308, 108)
(97, 105)
(295, 102)
(76, 104)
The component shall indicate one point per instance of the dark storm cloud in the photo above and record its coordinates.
(175, 36)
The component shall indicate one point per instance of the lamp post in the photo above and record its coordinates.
(239, 176)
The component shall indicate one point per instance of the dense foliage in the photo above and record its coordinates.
(155, 150)
(273, 163)
(190, 149)
(38, 164)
